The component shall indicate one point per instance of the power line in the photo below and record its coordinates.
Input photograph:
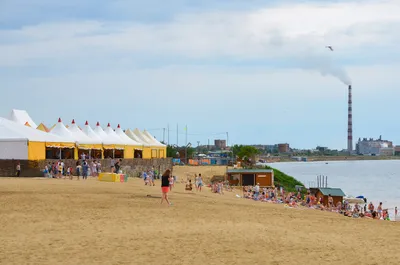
(193, 134)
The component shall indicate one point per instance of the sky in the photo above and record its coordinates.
(257, 70)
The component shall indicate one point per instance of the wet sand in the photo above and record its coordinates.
(91, 222)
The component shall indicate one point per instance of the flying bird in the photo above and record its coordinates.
(329, 47)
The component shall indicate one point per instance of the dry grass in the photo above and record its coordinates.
(77, 222)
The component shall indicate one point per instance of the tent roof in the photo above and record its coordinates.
(113, 135)
(12, 131)
(90, 133)
(142, 137)
(80, 136)
(22, 117)
(62, 131)
(125, 137)
(43, 128)
(106, 138)
(134, 137)
(152, 138)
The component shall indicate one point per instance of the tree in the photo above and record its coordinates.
(171, 151)
(248, 152)
(174, 151)
(245, 153)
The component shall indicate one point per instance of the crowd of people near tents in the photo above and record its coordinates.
(310, 201)
(83, 168)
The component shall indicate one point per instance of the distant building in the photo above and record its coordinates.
(283, 148)
(397, 150)
(374, 147)
(220, 144)
(322, 149)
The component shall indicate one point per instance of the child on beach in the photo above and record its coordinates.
(78, 170)
(199, 183)
(171, 182)
(18, 168)
(60, 170)
(196, 182)
(69, 173)
(189, 185)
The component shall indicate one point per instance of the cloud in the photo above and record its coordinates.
(282, 31)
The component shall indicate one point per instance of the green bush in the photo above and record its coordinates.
(287, 182)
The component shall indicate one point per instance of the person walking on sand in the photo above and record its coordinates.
(199, 183)
(18, 168)
(85, 169)
(165, 186)
(196, 182)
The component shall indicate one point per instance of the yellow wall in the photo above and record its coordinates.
(162, 152)
(154, 152)
(128, 152)
(146, 153)
(36, 150)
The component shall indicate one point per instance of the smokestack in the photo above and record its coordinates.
(350, 124)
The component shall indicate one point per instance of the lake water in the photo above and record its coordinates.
(378, 181)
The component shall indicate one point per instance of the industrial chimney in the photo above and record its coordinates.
(350, 125)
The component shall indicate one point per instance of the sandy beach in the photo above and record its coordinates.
(50, 221)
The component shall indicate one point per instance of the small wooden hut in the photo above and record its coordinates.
(250, 177)
(336, 193)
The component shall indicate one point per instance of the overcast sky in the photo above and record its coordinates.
(256, 69)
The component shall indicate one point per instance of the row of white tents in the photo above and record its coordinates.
(20, 139)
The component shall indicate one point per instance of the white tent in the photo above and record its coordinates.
(90, 133)
(152, 138)
(79, 136)
(99, 131)
(14, 139)
(134, 137)
(127, 140)
(107, 139)
(113, 135)
(62, 131)
(22, 117)
(143, 138)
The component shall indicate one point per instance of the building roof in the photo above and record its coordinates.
(332, 192)
(241, 171)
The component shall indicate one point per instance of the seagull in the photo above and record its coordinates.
(329, 47)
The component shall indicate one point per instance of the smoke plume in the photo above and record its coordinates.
(324, 64)
(308, 52)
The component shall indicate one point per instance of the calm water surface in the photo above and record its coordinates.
(378, 181)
